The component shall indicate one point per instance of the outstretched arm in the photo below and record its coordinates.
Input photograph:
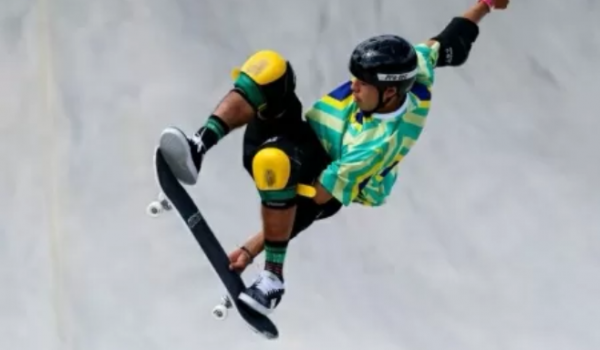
(456, 40)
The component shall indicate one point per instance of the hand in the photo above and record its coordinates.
(239, 259)
(501, 4)
(496, 4)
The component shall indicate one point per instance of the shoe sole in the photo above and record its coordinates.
(175, 148)
(253, 304)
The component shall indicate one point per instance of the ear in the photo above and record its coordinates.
(390, 92)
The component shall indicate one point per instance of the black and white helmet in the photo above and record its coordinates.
(385, 61)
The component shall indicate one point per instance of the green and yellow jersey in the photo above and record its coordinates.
(366, 150)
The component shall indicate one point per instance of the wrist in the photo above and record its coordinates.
(488, 3)
(248, 253)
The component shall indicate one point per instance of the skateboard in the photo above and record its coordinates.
(174, 196)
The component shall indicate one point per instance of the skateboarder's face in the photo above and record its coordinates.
(367, 96)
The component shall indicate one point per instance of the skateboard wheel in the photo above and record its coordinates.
(220, 312)
(164, 202)
(154, 209)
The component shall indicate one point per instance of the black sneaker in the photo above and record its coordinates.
(264, 294)
(184, 155)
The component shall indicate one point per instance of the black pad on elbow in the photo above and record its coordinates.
(456, 41)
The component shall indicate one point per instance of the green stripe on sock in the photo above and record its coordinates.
(216, 127)
(275, 252)
(275, 255)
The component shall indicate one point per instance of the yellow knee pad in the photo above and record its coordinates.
(271, 169)
(275, 176)
(266, 79)
(263, 67)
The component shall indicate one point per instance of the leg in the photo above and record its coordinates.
(275, 167)
(311, 159)
(297, 154)
(275, 172)
(307, 212)
(264, 80)
(185, 154)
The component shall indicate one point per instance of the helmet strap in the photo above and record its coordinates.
(381, 102)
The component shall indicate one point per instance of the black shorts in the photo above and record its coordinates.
(295, 137)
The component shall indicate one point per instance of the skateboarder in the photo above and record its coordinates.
(348, 146)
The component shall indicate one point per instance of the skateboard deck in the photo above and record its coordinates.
(177, 197)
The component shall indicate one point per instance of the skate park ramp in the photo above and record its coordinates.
(489, 242)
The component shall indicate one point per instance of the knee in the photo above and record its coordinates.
(266, 80)
(275, 176)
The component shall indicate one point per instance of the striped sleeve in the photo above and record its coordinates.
(427, 58)
(343, 177)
